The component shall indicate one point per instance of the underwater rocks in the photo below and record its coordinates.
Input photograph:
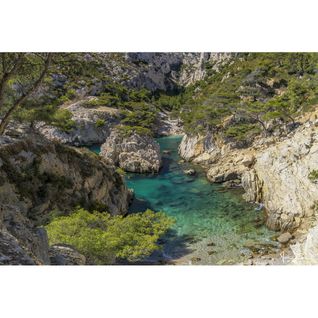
(189, 172)
(133, 153)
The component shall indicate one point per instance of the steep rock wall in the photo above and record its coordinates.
(134, 153)
(280, 179)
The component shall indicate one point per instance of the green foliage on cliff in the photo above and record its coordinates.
(313, 176)
(50, 114)
(100, 123)
(103, 238)
(253, 90)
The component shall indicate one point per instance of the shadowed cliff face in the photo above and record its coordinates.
(39, 177)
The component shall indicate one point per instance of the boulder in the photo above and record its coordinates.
(284, 238)
(133, 153)
(61, 254)
(190, 172)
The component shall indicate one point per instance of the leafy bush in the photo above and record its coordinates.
(313, 176)
(121, 171)
(105, 99)
(100, 123)
(62, 119)
(241, 132)
(127, 131)
(103, 238)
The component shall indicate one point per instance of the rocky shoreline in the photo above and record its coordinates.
(273, 172)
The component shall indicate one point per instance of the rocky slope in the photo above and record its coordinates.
(280, 179)
(92, 124)
(38, 178)
(274, 172)
(169, 71)
(134, 153)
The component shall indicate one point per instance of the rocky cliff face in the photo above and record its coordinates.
(37, 178)
(134, 153)
(280, 179)
(199, 148)
(92, 124)
(273, 171)
(169, 71)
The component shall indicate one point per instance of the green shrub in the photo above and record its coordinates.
(313, 175)
(104, 99)
(103, 238)
(70, 94)
(121, 171)
(127, 131)
(62, 119)
(241, 132)
(100, 123)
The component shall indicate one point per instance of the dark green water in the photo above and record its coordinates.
(213, 225)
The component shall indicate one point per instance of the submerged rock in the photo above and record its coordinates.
(133, 153)
(190, 172)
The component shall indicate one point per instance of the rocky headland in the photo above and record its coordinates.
(132, 153)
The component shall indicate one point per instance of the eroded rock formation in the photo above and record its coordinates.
(133, 153)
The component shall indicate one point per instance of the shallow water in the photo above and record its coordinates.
(213, 225)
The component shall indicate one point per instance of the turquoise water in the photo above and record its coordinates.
(213, 225)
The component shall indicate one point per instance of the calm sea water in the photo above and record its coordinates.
(213, 225)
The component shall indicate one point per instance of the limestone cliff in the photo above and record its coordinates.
(133, 153)
(273, 171)
(198, 148)
(169, 71)
(92, 124)
(280, 179)
(38, 178)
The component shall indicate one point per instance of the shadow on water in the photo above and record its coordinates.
(172, 247)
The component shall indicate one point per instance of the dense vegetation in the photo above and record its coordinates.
(250, 94)
(106, 239)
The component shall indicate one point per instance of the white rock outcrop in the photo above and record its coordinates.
(92, 125)
(133, 153)
(280, 179)
(198, 148)
(306, 252)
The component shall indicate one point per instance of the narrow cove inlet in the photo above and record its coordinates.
(213, 225)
